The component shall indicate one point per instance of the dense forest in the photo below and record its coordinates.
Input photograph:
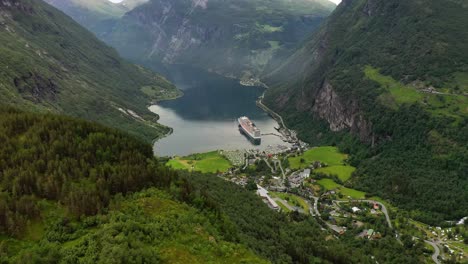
(401, 66)
(76, 191)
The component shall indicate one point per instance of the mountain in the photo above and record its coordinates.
(50, 63)
(95, 15)
(77, 192)
(395, 75)
(88, 194)
(235, 38)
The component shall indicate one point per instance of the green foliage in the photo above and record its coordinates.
(146, 227)
(50, 63)
(290, 238)
(414, 149)
(441, 103)
(210, 162)
(72, 191)
(328, 184)
(76, 163)
(328, 155)
(343, 172)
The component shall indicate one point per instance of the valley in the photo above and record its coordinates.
(121, 143)
(205, 118)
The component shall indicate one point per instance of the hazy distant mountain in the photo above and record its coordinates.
(95, 15)
(234, 37)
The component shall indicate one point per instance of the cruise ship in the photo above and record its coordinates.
(249, 129)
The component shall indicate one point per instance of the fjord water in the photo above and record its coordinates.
(205, 118)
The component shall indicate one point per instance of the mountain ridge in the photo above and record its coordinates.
(377, 70)
(50, 63)
(241, 39)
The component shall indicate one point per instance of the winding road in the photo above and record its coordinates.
(435, 256)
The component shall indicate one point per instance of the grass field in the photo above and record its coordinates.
(283, 207)
(438, 104)
(329, 184)
(329, 155)
(400, 92)
(292, 199)
(209, 162)
(355, 194)
(343, 172)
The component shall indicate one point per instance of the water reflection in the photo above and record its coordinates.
(205, 118)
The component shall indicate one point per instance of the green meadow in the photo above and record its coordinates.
(210, 162)
(343, 172)
(328, 155)
(329, 185)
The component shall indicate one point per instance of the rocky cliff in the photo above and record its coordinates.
(395, 75)
(341, 113)
(241, 38)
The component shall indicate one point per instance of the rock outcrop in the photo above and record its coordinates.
(235, 38)
(341, 114)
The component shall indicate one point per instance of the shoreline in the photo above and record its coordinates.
(286, 135)
(155, 102)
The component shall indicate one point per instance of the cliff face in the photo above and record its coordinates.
(394, 74)
(392, 36)
(341, 114)
(238, 38)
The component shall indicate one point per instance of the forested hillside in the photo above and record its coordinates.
(58, 181)
(74, 191)
(50, 63)
(240, 38)
(395, 75)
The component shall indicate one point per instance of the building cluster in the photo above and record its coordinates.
(296, 179)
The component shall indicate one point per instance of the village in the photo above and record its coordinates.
(314, 181)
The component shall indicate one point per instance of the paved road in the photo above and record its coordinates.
(435, 256)
(271, 168)
(317, 213)
(292, 208)
(267, 109)
(280, 166)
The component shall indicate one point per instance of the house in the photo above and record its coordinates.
(355, 209)
(376, 206)
(306, 173)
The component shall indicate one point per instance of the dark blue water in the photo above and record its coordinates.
(205, 118)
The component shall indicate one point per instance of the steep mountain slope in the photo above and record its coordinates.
(77, 192)
(50, 63)
(95, 15)
(63, 183)
(235, 38)
(395, 74)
